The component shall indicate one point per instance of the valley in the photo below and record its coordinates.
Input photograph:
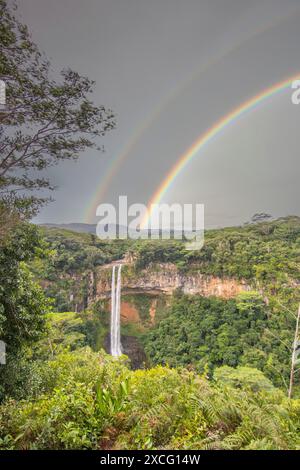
(239, 270)
(200, 331)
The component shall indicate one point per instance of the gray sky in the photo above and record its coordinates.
(170, 69)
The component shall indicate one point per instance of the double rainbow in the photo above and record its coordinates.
(116, 163)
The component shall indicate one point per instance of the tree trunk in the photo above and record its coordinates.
(294, 354)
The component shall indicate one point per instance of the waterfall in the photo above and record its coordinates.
(112, 313)
(115, 333)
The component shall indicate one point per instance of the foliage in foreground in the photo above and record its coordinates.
(88, 400)
(22, 302)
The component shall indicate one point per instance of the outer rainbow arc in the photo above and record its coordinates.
(112, 171)
(119, 159)
(192, 151)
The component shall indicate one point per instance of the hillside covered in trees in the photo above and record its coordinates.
(216, 372)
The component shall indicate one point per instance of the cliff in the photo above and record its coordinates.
(164, 278)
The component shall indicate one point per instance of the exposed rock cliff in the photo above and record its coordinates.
(164, 278)
(132, 348)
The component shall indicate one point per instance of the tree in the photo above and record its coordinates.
(260, 217)
(295, 354)
(251, 303)
(46, 120)
(22, 302)
(243, 377)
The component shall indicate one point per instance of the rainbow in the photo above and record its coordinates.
(116, 163)
(207, 137)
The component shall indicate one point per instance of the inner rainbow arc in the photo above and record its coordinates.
(213, 131)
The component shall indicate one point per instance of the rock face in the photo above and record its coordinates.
(165, 278)
(129, 313)
(132, 348)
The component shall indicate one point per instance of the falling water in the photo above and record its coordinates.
(112, 314)
(115, 334)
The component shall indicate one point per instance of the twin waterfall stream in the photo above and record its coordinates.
(115, 333)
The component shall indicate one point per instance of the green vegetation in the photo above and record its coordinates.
(91, 401)
(219, 367)
(77, 252)
(209, 333)
(240, 377)
(254, 330)
(266, 252)
(22, 302)
(71, 330)
(72, 258)
(62, 332)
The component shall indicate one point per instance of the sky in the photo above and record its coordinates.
(169, 69)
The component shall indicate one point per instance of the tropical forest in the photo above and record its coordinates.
(131, 344)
